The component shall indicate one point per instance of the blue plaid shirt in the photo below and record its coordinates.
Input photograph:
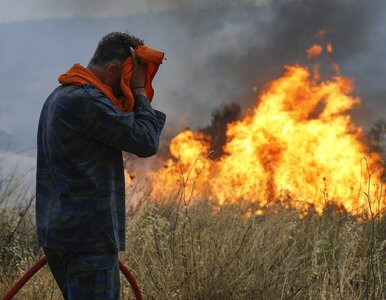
(80, 187)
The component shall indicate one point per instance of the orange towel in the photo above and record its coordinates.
(79, 75)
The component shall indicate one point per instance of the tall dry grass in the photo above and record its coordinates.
(215, 253)
(17, 230)
(206, 251)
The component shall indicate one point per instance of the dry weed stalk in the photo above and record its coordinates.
(201, 250)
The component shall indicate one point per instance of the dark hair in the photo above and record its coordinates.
(115, 45)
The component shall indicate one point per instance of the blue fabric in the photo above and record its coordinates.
(80, 187)
(88, 276)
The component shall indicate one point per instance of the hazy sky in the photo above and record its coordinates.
(22, 10)
(217, 51)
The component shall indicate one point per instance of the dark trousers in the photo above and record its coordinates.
(85, 275)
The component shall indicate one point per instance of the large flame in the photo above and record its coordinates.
(298, 148)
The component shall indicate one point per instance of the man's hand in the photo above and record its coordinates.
(138, 78)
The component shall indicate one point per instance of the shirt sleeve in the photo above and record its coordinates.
(91, 115)
(136, 132)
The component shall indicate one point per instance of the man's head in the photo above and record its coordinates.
(109, 55)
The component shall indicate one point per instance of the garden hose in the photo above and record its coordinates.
(43, 260)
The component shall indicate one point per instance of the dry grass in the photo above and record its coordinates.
(209, 252)
(215, 253)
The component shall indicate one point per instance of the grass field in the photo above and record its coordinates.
(206, 251)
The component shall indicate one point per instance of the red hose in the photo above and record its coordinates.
(130, 278)
(43, 260)
(27, 276)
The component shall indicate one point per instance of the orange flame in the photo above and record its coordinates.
(296, 149)
(314, 51)
(329, 48)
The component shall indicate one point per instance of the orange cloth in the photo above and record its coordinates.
(79, 75)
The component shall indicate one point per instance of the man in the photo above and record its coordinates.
(80, 200)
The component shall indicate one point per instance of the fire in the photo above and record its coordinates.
(329, 48)
(314, 51)
(298, 148)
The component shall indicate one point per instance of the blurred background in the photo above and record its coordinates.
(218, 52)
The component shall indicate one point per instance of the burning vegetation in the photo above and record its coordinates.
(296, 152)
(297, 148)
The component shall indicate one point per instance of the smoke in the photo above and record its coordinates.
(228, 51)
(219, 52)
(23, 10)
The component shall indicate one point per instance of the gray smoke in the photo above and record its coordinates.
(216, 54)
(232, 50)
